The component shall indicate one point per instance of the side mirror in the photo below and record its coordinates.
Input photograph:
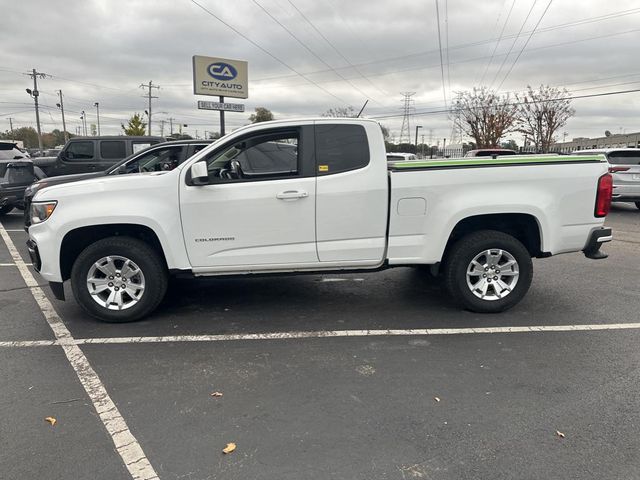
(199, 173)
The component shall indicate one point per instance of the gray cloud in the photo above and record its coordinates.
(102, 50)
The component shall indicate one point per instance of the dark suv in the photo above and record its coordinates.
(16, 173)
(159, 157)
(93, 154)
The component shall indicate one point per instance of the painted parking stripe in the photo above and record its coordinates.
(126, 444)
(13, 264)
(326, 334)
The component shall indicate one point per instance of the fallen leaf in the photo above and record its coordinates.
(559, 433)
(229, 448)
(437, 399)
(51, 420)
(216, 394)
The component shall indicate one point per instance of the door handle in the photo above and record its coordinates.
(291, 195)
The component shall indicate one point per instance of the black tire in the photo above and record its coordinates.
(638, 205)
(6, 209)
(465, 250)
(145, 257)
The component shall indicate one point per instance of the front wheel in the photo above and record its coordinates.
(488, 271)
(119, 279)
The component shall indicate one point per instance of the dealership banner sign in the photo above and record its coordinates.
(220, 76)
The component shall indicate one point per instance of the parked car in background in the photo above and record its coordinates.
(157, 158)
(400, 157)
(16, 174)
(624, 165)
(93, 154)
(490, 152)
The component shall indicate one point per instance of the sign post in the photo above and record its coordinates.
(220, 77)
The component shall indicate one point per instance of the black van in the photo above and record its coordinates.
(93, 154)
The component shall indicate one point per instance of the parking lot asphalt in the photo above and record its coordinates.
(354, 407)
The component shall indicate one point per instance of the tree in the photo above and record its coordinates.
(28, 135)
(510, 144)
(340, 112)
(261, 115)
(385, 132)
(485, 115)
(135, 126)
(542, 113)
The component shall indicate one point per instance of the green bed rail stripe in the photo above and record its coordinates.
(510, 160)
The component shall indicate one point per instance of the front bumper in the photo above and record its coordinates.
(34, 254)
(596, 239)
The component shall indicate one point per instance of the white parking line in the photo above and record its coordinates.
(13, 230)
(13, 264)
(416, 332)
(126, 444)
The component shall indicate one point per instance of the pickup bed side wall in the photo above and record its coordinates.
(153, 205)
(426, 205)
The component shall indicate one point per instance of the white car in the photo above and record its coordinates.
(624, 165)
(316, 196)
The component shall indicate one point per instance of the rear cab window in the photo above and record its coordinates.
(113, 149)
(624, 158)
(341, 148)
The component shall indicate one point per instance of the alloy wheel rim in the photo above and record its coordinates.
(115, 282)
(492, 274)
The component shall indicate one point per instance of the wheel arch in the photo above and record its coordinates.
(522, 226)
(76, 240)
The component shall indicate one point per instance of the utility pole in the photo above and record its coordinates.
(150, 86)
(416, 143)
(35, 93)
(11, 126)
(422, 145)
(64, 125)
(171, 125)
(97, 105)
(162, 122)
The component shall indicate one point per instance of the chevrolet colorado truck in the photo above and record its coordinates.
(316, 195)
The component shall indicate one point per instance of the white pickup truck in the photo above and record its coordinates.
(317, 196)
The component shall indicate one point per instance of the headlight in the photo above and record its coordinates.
(40, 211)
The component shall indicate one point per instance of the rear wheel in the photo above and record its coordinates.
(488, 271)
(119, 279)
(6, 209)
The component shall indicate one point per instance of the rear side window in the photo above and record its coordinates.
(624, 158)
(113, 149)
(80, 151)
(137, 146)
(340, 148)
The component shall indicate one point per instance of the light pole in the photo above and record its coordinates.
(84, 122)
(416, 142)
(97, 105)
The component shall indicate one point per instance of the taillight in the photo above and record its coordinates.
(603, 196)
(618, 169)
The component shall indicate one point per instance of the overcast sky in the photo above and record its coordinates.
(100, 51)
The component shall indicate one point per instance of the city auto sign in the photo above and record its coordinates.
(220, 76)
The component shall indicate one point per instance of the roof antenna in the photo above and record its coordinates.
(365, 104)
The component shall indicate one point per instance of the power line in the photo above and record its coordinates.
(525, 45)
(495, 47)
(444, 92)
(335, 48)
(282, 62)
(576, 97)
(306, 47)
(514, 43)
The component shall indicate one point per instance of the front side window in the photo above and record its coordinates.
(266, 156)
(80, 151)
(113, 149)
(340, 148)
(157, 160)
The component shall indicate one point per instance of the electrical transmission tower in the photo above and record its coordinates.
(150, 86)
(405, 131)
